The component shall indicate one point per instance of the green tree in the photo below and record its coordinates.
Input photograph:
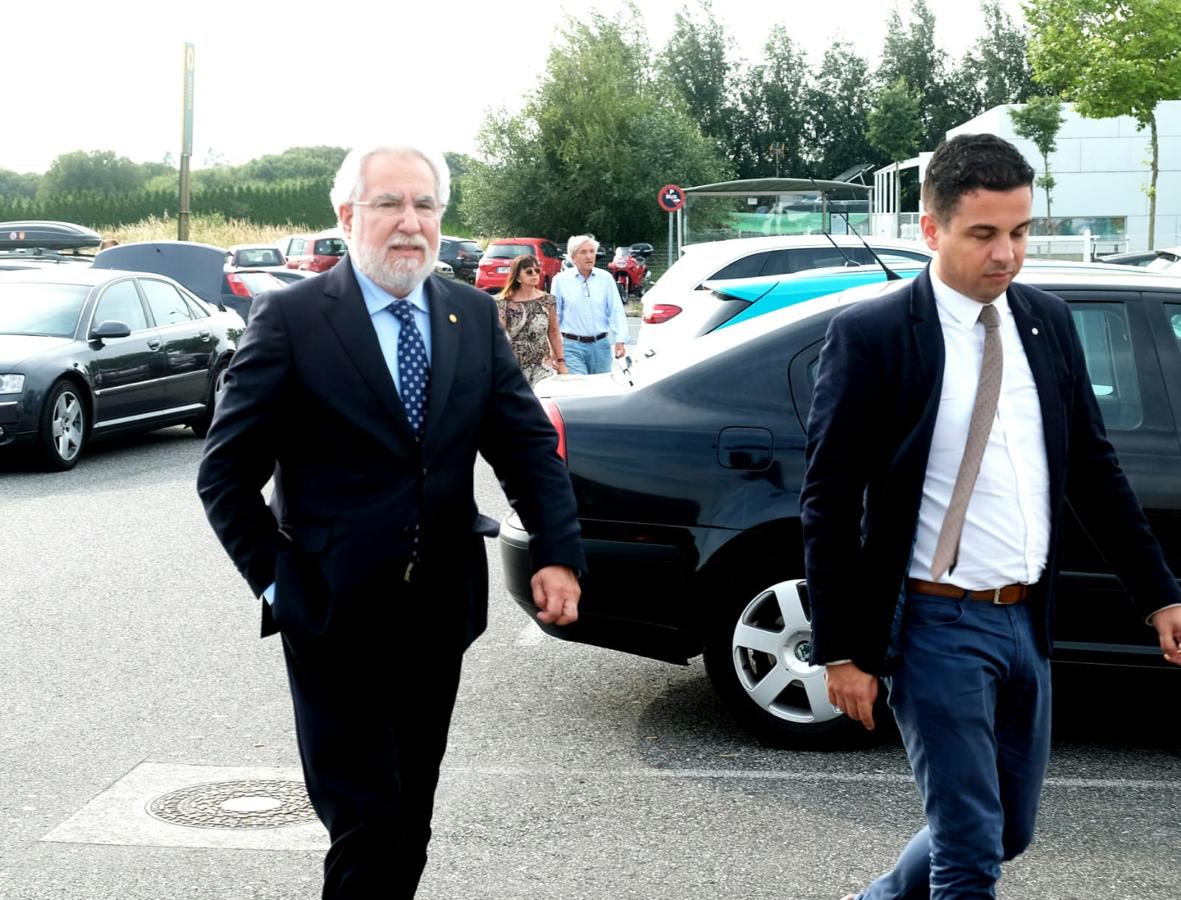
(837, 113)
(910, 53)
(100, 171)
(1039, 120)
(769, 134)
(16, 184)
(1005, 75)
(1111, 58)
(894, 125)
(294, 163)
(696, 66)
(592, 146)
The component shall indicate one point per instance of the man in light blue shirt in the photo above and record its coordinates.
(590, 314)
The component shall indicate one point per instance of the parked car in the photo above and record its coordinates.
(494, 264)
(680, 302)
(255, 256)
(463, 255)
(688, 496)
(316, 252)
(31, 244)
(88, 352)
(199, 267)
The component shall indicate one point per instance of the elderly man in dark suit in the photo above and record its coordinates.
(367, 393)
(952, 420)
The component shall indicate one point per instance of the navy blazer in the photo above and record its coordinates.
(310, 400)
(869, 435)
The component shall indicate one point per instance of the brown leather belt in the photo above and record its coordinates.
(1002, 596)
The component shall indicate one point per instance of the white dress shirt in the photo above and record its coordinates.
(1006, 535)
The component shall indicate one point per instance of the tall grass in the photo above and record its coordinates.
(209, 229)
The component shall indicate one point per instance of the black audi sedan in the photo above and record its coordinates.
(688, 488)
(86, 353)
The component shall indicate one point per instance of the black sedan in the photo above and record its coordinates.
(87, 352)
(688, 490)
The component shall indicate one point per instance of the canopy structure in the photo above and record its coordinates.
(757, 207)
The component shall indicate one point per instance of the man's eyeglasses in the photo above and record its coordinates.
(391, 205)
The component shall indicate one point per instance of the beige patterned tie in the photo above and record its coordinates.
(947, 548)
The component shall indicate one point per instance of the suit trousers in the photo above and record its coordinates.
(971, 696)
(373, 697)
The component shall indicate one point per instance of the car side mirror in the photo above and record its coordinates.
(109, 330)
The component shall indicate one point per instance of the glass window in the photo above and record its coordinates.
(748, 267)
(49, 309)
(508, 251)
(550, 250)
(1111, 362)
(329, 247)
(167, 305)
(120, 303)
(297, 247)
(1173, 311)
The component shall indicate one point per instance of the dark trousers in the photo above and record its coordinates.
(373, 699)
(972, 699)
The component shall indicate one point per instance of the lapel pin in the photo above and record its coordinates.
(454, 318)
(1035, 331)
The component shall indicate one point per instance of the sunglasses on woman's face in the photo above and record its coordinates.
(529, 271)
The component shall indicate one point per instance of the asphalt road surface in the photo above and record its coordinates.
(133, 688)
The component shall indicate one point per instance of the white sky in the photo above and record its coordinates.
(106, 74)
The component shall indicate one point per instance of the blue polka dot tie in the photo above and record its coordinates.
(414, 369)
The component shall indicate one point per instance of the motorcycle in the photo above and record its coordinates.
(630, 270)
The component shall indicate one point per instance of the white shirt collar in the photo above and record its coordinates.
(378, 298)
(961, 307)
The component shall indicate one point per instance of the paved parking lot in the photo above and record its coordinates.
(130, 670)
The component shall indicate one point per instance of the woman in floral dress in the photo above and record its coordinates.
(530, 319)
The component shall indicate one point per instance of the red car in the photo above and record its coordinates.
(315, 252)
(496, 260)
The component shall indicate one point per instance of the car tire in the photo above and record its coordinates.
(756, 655)
(217, 382)
(62, 433)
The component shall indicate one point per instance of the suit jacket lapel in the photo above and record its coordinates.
(446, 322)
(928, 334)
(348, 317)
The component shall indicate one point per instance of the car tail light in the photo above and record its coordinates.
(555, 418)
(237, 285)
(662, 312)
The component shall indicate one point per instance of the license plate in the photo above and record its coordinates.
(502, 270)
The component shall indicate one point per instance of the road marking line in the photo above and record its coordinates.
(773, 775)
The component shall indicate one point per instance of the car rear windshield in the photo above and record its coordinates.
(261, 256)
(508, 251)
(41, 309)
(329, 247)
(470, 246)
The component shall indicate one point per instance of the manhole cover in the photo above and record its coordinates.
(235, 804)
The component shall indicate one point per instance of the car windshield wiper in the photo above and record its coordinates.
(891, 275)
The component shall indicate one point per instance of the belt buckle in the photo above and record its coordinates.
(996, 597)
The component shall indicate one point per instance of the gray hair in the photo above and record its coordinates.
(350, 181)
(577, 241)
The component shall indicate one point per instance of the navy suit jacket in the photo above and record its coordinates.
(309, 399)
(869, 435)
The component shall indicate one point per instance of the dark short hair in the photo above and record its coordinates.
(970, 162)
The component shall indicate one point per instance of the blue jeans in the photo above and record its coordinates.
(972, 699)
(588, 359)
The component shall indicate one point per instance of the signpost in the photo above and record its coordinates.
(186, 146)
(671, 198)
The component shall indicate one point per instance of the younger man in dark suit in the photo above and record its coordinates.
(952, 418)
(367, 393)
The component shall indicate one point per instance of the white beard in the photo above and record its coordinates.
(399, 276)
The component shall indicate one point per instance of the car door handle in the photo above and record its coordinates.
(154, 344)
(204, 335)
(752, 449)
